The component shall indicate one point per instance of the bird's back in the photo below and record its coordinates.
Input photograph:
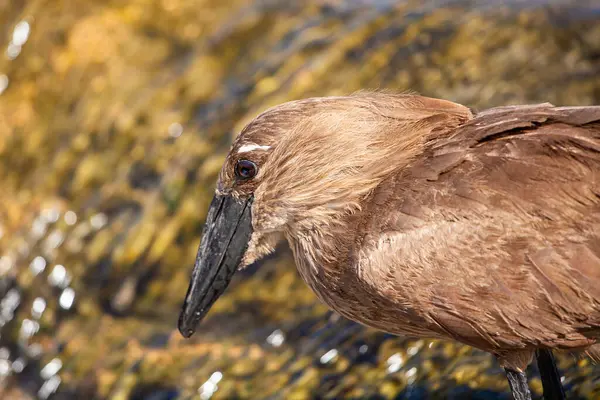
(491, 236)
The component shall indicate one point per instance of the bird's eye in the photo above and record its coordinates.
(245, 169)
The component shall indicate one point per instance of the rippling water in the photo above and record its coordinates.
(114, 120)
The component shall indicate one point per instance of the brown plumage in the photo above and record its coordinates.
(414, 216)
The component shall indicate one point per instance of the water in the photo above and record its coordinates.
(114, 120)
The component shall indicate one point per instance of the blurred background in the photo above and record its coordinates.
(115, 117)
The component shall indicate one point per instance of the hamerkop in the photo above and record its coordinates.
(418, 217)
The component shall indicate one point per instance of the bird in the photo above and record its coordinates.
(422, 217)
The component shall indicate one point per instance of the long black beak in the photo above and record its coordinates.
(224, 242)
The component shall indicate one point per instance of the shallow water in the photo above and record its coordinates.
(114, 120)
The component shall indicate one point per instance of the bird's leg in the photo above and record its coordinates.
(518, 384)
(553, 389)
(513, 362)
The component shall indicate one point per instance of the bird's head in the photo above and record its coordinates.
(296, 169)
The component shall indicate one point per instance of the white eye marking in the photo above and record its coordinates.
(249, 147)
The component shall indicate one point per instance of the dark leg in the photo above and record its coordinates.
(553, 389)
(518, 384)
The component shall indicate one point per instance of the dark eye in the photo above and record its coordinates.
(245, 169)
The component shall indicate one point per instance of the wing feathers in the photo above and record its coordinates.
(508, 230)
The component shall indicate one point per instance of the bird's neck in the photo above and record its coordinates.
(327, 260)
(323, 255)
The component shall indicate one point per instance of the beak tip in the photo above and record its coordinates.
(185, 327)
(186, 333)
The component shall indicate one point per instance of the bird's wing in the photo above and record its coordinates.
(493, 233)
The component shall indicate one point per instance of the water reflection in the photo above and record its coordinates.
(6, 264)
(70, 218)
(51, 368)
(37, 265)
(277, 338)
(39, 227)
(51, 215)
(38, 307)
(12, 51)
(67, 298)
(18, 365)
(21, 33)
(54, 240)
(49, 387)
(5, 364)
(8, 305)
(59, 276)
(175, 130)
(395, 362)
(3, 83)
(329, 356)
(28, 329)
(98, 221)
(209, 387)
